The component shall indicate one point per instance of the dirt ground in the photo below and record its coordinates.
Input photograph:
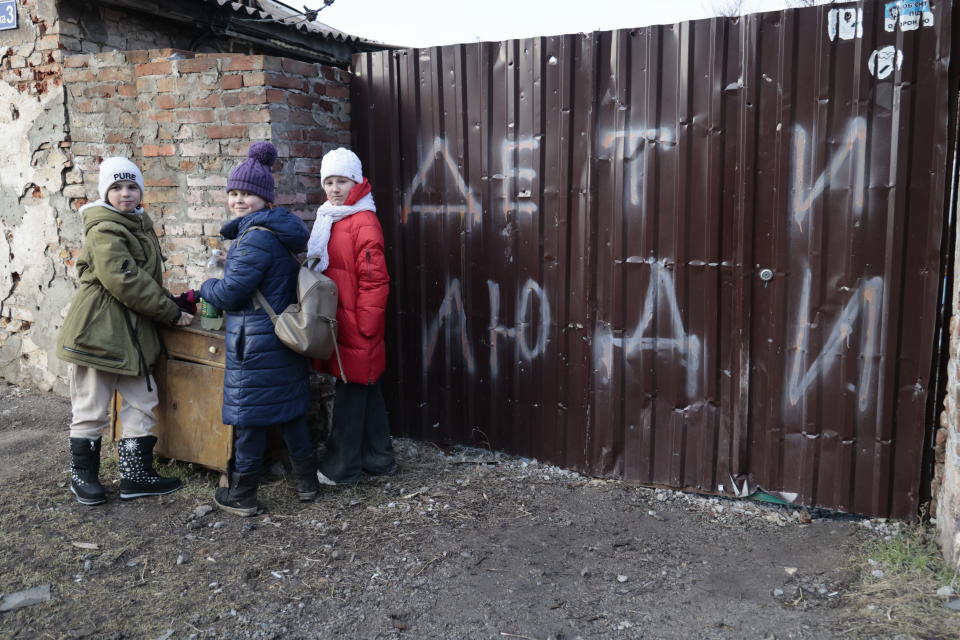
(462, 544)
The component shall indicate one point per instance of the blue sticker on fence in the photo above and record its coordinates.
(909, 14)
(8, 14)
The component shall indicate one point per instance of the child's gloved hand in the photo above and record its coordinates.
(187, 302)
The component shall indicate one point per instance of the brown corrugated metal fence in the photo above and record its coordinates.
(701, 255)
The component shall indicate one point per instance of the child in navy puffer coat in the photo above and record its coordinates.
(265, 383)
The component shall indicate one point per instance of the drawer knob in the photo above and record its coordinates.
(213, 349)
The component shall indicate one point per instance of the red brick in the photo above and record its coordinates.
(216, 132)
(82, 60)
(137, 57)
(159, 182)
(100, 91)
(153, 150)
(197, 115)
(245, 63)
(210, 100)
(77, 75)
(231, 82)
(258, 115)
(302, 118)
(236, 149)
(254, 79)
(288, 134)
(168, 102)
(254, 95)
(197, 65)
(159, 195)
(306, 150)
(299, 68)
(286, 82)
(154, 69)
(301, 101)
(315, 134)
(194, 149)
(337, 92)
(89, 106)
(161, 116)
(147, 85)
(114, 75)
(325, 105)
(166, 84)
(127, 90)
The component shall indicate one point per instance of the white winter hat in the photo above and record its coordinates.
(341, 162)
(116, 169)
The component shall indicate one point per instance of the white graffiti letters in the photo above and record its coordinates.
(853, 148)
(519, 332)
(452, 316)
(661, 290)
(866, 299)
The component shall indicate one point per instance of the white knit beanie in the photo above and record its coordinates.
(341, 162)
(116, 169)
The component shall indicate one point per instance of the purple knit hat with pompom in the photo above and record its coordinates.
(253, 175)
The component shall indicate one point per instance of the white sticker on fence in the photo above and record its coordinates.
(909, 14)
(885, 61)
(846, 22)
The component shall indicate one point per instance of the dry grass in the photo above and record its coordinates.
(895, 596)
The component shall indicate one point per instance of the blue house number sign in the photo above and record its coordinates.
(8, 14)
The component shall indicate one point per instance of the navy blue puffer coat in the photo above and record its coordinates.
(265, 382)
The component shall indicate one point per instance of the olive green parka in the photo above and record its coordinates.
(110, 324)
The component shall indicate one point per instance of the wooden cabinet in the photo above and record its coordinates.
(190, 385)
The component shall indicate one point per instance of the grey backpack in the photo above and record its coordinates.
(309, 325)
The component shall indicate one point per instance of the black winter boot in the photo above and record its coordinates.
(137, 477)
(84, 471)
(240, 498)
(305, 476)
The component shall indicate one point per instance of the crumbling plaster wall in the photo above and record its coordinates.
(34, 170)
(946, 482)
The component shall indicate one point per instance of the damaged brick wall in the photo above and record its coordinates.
(186, 119)
(946, 482)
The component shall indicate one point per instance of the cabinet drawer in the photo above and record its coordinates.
(196, 345)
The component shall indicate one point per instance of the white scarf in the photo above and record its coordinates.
(327, 216)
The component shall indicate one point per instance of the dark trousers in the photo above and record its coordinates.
(249, 443)
(359, 438)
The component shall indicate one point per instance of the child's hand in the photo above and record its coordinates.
(184, 320)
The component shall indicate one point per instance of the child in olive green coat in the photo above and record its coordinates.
(110, 337)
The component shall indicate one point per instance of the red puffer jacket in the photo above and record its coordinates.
(359, 268)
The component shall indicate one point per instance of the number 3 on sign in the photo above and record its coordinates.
(8, 14)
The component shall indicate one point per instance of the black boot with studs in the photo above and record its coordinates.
(137, 477)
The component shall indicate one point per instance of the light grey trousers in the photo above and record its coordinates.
(91, 392)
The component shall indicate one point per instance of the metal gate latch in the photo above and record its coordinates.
(766, 275)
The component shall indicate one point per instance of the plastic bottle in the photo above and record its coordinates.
(211, 318)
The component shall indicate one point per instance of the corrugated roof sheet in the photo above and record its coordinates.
(286, 15)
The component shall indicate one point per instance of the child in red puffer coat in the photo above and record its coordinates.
(347, 244)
